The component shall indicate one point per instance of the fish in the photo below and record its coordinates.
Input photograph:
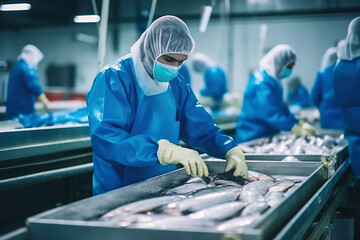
(140, 206)
(212, 190)
(281, 186)
(253, 208)
(295, 179)
(274, 198)
(250, 197)
(260, 186)
(220, 182)
(238, 223)
(193, 204)
(218, 212)
(186, 188)
(228, 176)
(253, 175)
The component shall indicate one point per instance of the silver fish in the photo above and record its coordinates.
(274, 198)
(197, 203)
(281, 186)
(236, 224)
(253, 175)
(212, 190)
(186, 188)
(250, 197)
(253, 208)
(219, 212)
(140, 206)
(261, 186)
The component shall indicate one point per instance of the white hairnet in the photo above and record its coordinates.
(351, 48)
(201, 62)
(329, 58)
(31, 55)
(167, 34)
(277, 59)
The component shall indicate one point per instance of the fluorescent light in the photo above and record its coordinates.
(205, 17)
(87, 18)
(15, 7)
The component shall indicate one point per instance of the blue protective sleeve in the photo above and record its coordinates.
(199, 130)
(110, 135)
(272, 109)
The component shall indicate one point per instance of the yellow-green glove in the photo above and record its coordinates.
(309, 128)
(303, 129)
(235, 159)
(44, 101)
(190, 159)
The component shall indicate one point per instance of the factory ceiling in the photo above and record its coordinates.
(51, 13)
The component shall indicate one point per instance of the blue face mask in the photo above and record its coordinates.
(286, 73)
(165, 73)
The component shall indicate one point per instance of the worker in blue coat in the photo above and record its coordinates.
(264, 112)
(347, 85)
(214, 80)
(323, 92)
(139, 107)
(298, 96)
(23, 86)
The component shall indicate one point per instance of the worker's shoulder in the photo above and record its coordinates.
(118, 64)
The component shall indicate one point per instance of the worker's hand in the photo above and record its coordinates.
(303, 129)
(190, 159)
(310, 129)
(235, 159)
(44, 101)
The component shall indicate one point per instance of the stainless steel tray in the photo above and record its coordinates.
(79, 220)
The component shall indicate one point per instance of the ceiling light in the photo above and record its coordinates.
(15, 7)
(87, 18)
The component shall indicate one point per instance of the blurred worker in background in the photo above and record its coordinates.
(264, 111)
(139, 108)
(347, 85)
(23, 85)
(298, 96)
(323, 92)
(214, 80)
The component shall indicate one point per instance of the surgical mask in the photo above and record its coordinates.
(165, 73)
(286, 73)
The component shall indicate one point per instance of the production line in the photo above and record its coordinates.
(320, 180)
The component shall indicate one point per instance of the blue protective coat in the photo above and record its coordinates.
(22, 91)
(347, 85)
(300, 97)
(264, 111)
(184, 71)
(215, 83)
(323, 96)
(125, 126)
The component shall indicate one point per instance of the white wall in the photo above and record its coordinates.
(309, 36)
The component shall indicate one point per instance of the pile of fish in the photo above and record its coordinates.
(219, 201)
(289, 144)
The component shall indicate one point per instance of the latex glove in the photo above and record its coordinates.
(235, 159)
(190, 159)
(307, 127)
(303, 129)
(44, 101)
